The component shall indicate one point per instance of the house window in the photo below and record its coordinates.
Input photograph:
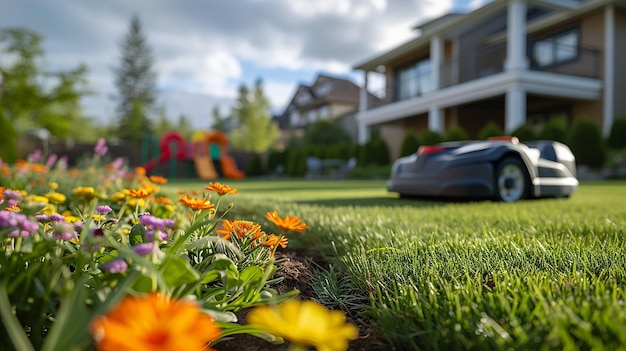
(413, 80)
(303, 98)
(557, 49)
(323, 89)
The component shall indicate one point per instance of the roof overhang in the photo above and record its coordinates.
(449, 28)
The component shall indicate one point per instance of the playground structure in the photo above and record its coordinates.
(205, 150)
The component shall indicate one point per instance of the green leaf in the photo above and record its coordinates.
(177, 272)
(137, 234)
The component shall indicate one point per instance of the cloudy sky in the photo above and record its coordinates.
(205, 49)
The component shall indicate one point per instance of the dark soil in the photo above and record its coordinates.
(297, 275)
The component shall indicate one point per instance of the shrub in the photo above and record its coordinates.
(555, 129)
(256, 166)
(525, 132)
(586, 143)
(375, 152)
(617, 137)
(456, 134)
(274, 159)
(490, 129)
(431, 137)
(8, 140)
(410, 144)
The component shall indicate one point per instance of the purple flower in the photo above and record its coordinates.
(115, 266)
(52, 159)
(103, 209)
(13, 202)
(150, 235)
(155, 222)
(35, 156)
(64, 235)
(101, 147)
(20, 223)
(145, 249)
(63, 231)
(12, 194)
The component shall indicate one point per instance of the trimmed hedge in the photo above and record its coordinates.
(585, 140)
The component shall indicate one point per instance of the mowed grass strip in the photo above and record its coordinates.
(540, 274)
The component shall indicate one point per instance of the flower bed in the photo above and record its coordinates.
(97, 257)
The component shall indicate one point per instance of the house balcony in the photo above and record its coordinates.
(481, 75)
(577, 79)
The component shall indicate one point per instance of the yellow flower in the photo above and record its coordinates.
(154, 322)
(289, 223)
(36, 198)
(196, 203)
(136, 202)
(118, 196)
(49, 210)
(305, 323)
(221, 189)
(53, 185)
(98, 217)
(240, 229)
(56, 198)
(84, 192)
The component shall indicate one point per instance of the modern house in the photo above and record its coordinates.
(327, 98)
(510, 62)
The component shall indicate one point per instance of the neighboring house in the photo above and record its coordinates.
(511, 62)
(328, 97)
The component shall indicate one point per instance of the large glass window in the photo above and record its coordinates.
(557, 49)
(413, 80)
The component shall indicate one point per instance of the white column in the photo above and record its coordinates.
(515, 108)
(609, 70)
(435, 119)
(363, 93)
(363, 132)
(516, 35)
(436, 55)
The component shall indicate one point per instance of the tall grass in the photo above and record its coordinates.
(540, 274)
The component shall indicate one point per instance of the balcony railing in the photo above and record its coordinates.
(473, 64)
(486, 61)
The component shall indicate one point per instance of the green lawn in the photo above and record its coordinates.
(540, 274)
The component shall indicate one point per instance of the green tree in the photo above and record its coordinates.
(220, 123)
(34, 98)
(325, 132)
(163, 124)
(255, 130)
(135, 80)
(184, 127)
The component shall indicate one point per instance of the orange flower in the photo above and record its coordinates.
(196, 192)
(221, 189)
(154, 322)
(289, 223)
(140, 171)
(140, 193)
(274, 241)
(240, 229)
(158, 179)
(196, 203)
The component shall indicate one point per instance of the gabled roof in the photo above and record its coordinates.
(447, 25)
(327, 89)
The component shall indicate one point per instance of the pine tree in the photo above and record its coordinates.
(135, 80)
